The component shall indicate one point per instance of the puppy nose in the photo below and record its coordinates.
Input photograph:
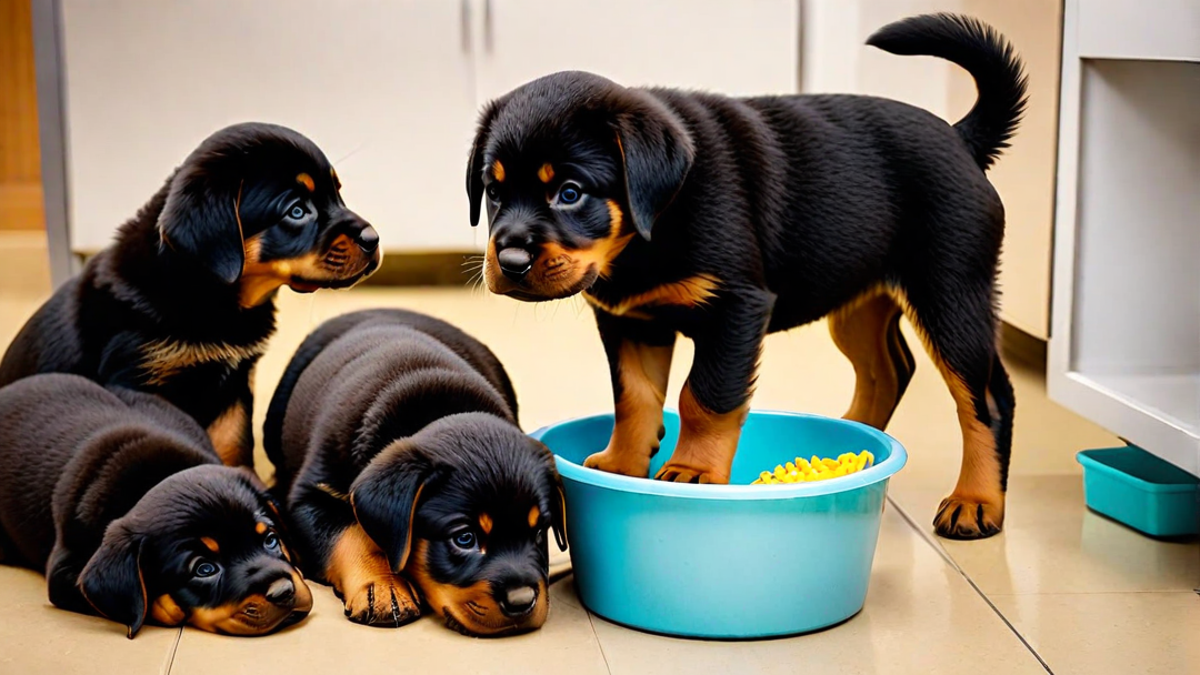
(282, 593)
(518, 601)
(515, 262)
(368, 239)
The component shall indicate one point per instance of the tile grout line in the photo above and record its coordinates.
(955, 566)
(599, 644)
(174, 649)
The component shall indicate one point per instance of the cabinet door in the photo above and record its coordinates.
(727, 46)
(382, 86)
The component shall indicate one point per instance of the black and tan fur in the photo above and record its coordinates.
(408, 482)
(120, 500)
(725, 219)
(181, 304)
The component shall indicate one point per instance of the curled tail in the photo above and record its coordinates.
(981, 51)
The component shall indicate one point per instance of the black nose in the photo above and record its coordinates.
(368, 239)
(518, 600)
(282, 592)
(515, 262)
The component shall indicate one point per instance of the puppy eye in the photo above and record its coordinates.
(271, 541)
(569, 193)
(465, 540)
(297, 212)
(493, 192)
(203, 568)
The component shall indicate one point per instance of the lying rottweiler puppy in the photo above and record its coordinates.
(181, 304)
(729, 218)
(394, 436)
(120, 500)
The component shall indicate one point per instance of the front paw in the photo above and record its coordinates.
(388, 602)
(624, 463)
(963, 518)
(679, 472)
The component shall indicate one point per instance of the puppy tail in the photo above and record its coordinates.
(981, 51)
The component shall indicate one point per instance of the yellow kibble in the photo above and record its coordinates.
(817, 468)
(830, 463)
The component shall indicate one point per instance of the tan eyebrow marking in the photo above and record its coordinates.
(485, 523)
(307, 181)
(260, 528)
(210, 544)
(535, 515)
(546, 173)
(498, 171)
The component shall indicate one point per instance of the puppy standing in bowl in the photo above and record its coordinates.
(120, 500)
(182, 303)
(395, 440)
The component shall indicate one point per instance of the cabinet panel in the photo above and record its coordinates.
(382, 86)
(728, 46)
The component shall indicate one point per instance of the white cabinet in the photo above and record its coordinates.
(1125, 350)
(390, 89)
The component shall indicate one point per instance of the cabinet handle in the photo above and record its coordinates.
(487, 26)
(464, 14)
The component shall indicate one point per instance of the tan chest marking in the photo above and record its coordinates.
(163, 359)
(692, 291)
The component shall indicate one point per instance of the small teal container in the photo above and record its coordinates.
(726, 561)
(1136, 488)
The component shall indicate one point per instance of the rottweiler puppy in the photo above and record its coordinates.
(181, 304)
(725, 219)
(394, 436)
(120, 500)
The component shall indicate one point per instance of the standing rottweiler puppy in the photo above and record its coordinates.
(729, 218)
(394, 436)
(120, 500)
(181, 305)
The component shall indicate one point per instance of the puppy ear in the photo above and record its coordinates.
(559, 517)
(657, 153)
(200, 220)
(112, 581)
(385, 496)
(475, 163)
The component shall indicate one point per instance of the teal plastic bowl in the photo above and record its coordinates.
(726, 561)
(1136, 488)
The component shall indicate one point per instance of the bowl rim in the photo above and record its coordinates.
(882, 471)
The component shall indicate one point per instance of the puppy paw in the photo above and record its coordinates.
(624, 463)
(678, 472)
(961, 518)
(386, 602)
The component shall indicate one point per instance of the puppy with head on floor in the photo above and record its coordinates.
(120, 500)
(407, 480)
(182, 303)
(726, 219)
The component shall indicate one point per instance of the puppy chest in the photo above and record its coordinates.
(165, 359)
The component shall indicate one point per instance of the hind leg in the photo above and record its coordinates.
(958, 328)
(868, 333)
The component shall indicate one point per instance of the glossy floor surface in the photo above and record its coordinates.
(1060, 590)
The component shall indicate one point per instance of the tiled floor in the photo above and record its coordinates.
(1062, 589)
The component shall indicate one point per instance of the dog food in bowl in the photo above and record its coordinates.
(803, 471)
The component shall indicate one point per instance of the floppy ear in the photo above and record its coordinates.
(475, 163)
(559, 517)
(385, 495)
(112, 581)
(200, 219)
(657, 153)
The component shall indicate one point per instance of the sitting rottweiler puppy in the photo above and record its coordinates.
(394, 436)
(729, 218)
(181, 305)
(120, 500)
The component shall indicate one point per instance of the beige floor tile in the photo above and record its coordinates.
(921, 616)
(328, 644)
(1053, 544)
(1110, 633)
(36, 638)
